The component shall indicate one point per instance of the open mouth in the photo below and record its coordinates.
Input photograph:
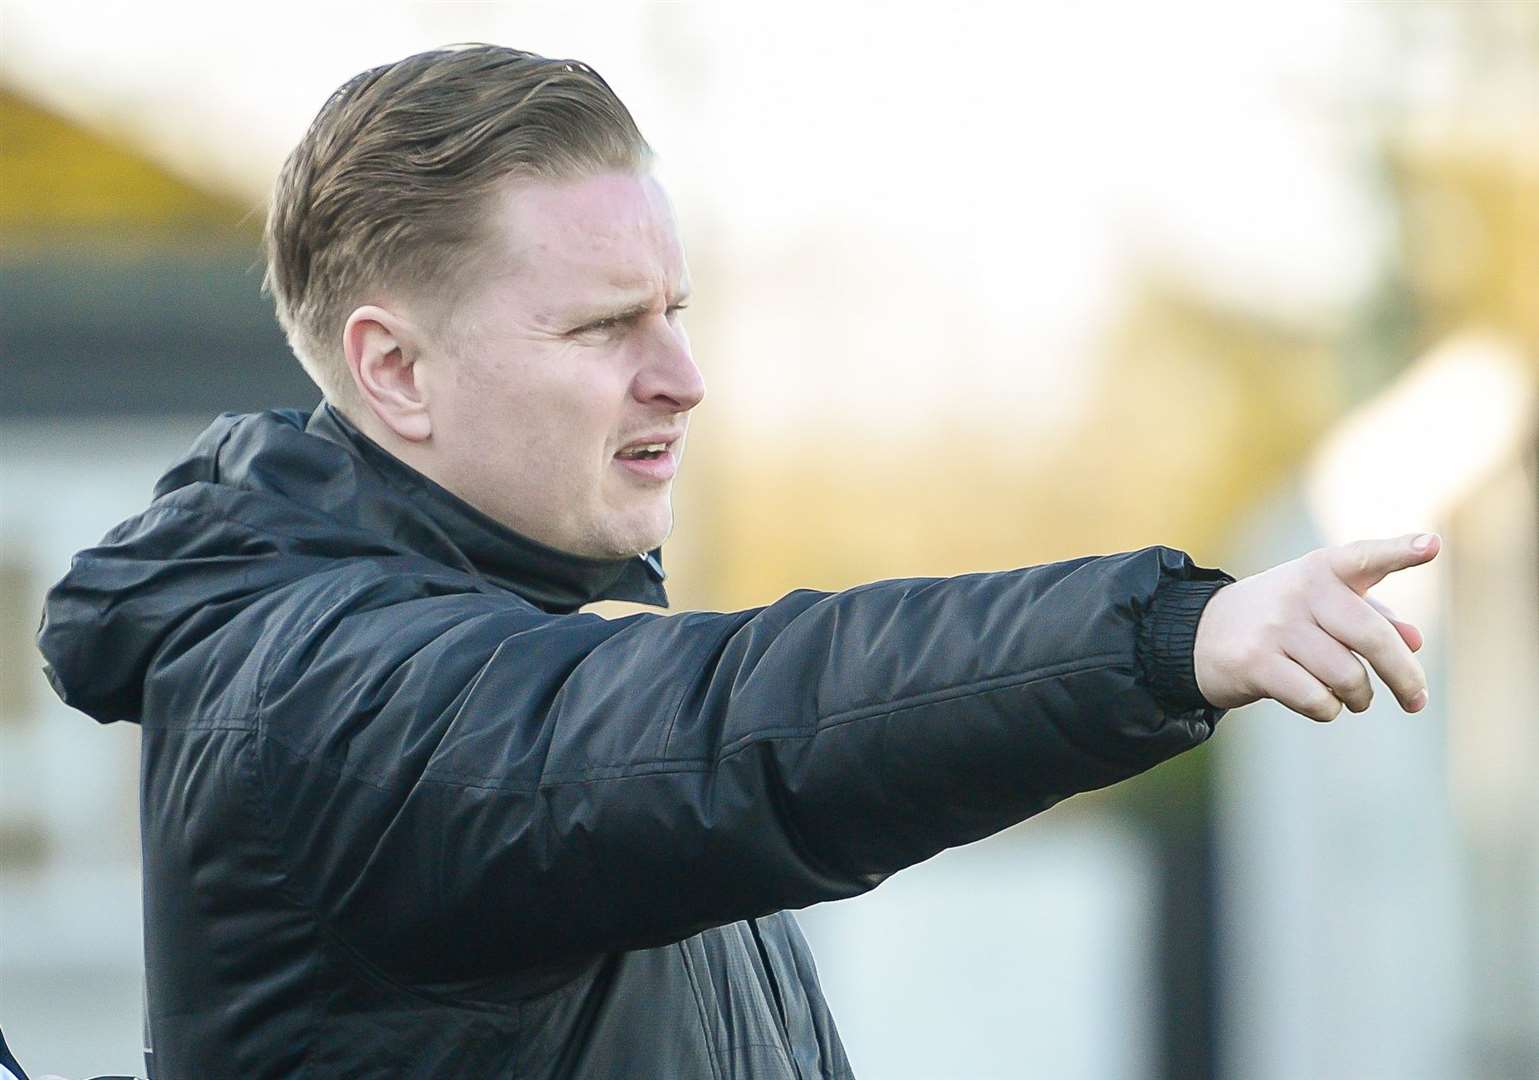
(652, 460)
(646, 452)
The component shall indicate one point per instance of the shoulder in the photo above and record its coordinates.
(374, 613)
(375, 609)
(382, 650)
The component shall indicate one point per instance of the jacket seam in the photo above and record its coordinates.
(977, 686)
(678, 705)
(224, 440)
(172, 508)
(158, 507)
(711, 1052)
(389, 548)
(228, 723)
(260, 813)
(778, 1009)
(667, 766)
(817, 727)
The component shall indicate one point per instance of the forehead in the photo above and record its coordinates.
(613, 230)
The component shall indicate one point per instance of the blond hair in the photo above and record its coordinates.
(391, 184)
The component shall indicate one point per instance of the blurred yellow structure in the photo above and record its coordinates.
(69, 188)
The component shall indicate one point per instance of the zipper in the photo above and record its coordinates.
(780, 1005)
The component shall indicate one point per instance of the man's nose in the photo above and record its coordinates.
(669, 376)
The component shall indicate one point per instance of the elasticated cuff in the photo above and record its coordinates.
(1167, 635)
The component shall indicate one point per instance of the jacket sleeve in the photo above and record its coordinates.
(462, 784)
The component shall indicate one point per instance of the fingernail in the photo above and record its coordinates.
(1422, 542)
(1419, 702)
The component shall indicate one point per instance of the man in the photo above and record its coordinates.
(407, 811)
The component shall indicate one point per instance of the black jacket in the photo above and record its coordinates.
(405, 812)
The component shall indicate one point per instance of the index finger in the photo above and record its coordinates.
(1362, 564)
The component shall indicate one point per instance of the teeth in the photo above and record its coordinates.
(649, 448)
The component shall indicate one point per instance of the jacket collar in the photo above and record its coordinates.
(545, 576)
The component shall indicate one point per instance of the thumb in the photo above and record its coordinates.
(1362, 564)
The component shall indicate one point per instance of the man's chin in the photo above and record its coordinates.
(639, 534)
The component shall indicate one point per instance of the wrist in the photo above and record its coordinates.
(1167, 639)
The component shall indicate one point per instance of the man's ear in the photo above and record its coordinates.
(381, 350)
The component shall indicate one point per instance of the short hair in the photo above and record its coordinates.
(392, 183)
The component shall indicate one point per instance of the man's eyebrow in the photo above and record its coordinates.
(641, 307)
(596, 312)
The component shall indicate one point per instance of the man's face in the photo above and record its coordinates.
(562, 411)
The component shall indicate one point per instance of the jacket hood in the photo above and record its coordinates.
(261, 500)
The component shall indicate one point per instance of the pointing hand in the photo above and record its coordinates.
(1289, 633)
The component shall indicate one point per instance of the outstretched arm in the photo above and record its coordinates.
(496, 788)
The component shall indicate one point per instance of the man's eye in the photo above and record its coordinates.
(603, 325)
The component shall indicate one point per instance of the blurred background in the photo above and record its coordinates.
(976, 286)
